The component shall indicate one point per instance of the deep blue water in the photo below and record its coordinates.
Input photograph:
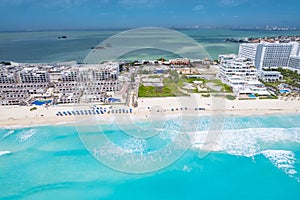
(257, 158)
(45, 46)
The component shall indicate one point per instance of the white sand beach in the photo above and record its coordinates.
(148, 109)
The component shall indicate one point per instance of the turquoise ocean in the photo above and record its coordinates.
(257, 158)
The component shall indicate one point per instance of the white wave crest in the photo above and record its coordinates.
(26, 135)
(134, 145)
(8, 134)
(2, 153)
(246, 142)
(186, 169)
(283, 160)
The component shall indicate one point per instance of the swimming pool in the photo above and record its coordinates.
(252, 96)
(113, 100)
(39, 102)
(284, 91)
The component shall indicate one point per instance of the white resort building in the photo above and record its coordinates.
(268, 56)
(240, 74)
(294, 63)
(74, 83)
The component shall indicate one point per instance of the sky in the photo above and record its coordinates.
(102, 14)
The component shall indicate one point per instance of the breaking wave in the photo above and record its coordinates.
(256, 141)
(248, 142)
(282, 159)
(26, 135)
(8, 134)
(2, 153)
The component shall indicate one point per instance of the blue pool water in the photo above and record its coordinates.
(40, 103)
(255, 158)
(113, 100)
(284, 91)
(252, 96)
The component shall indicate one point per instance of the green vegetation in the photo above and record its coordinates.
(175, 82)
(230, 97)
(228, 89)
(144, 72)
(216, 82)
(269, 97)
(171, 87)
(154, 76)
(246, 99)
(272, 84)
(33, 108)
(150, 91)
(161, 59)
(225, 88)
(292, 77)
(132, 78)
(191, 80)
(5, 63)
(205, 95)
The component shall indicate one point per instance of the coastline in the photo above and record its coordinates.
(150, 109)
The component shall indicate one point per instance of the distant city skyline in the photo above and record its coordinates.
(112, 14)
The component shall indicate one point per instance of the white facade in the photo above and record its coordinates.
(238, 67)
(225, 58)
(241, 75)
(273, 55)
(294, 63)
(7, 78)
(269, 55)
(270, 76)
(72, 84)
(248, 50)
(33, 76)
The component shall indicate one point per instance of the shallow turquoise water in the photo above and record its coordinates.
(257, 158)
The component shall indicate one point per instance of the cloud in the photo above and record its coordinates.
(198, 8)
(231, 2)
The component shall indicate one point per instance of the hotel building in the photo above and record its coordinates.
(7, 77)
(33, 75)
(240, 74)
(294, 63)
(22, 84)
(269, 56)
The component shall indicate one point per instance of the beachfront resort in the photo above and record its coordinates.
(259, 71)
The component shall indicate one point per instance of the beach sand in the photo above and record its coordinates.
(148, 109)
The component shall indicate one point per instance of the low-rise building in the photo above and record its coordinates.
(270, 76)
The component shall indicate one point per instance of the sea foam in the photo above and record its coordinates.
(247, 142)
(26, 135)
(255, 141)
(282, 159)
